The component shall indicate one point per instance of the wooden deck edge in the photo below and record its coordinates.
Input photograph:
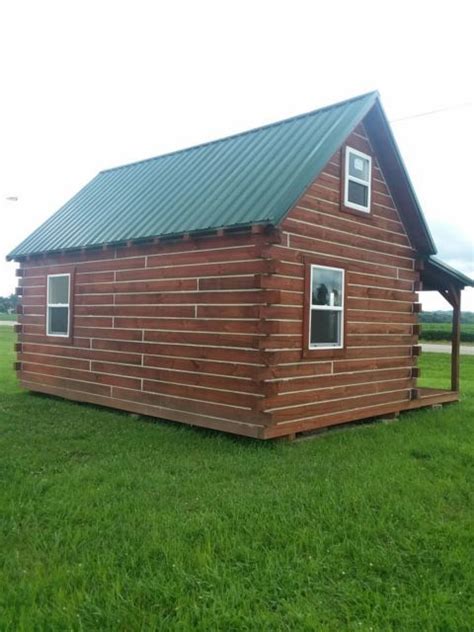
(157, 412)
(346, 418)
(336, 419)
(431, 400)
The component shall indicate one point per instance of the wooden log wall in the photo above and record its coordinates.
(172, 330)
(209, 331)
(374, 374)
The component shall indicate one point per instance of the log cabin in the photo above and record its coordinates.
(264, 284)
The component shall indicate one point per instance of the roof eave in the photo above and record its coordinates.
(194, 234)
(394, 169)
(457, 277)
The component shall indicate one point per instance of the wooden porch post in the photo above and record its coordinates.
(453, 296)
(456, 338)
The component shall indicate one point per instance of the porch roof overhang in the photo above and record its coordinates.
(438, 276)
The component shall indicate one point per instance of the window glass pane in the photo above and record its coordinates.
(358, 193)
(58, 289)
(327, 287)
(58, 320)
(358, 167)
(325, 327)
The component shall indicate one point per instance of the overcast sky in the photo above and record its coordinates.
(88, 85)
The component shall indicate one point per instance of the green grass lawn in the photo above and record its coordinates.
(11, 317)
(113, 523)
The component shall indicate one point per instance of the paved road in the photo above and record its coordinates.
(465, 349)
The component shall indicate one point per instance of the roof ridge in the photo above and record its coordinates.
(374, 93)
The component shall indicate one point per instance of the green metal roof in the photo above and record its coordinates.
(250, 178)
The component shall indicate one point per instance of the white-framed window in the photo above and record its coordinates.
(58, 305)
(357, 180)
(326, 322)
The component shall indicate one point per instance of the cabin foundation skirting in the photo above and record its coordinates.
(251, 428)
(162, 413)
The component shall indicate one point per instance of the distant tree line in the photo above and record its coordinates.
(8, 304)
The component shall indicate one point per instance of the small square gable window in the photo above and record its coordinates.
(357, 180)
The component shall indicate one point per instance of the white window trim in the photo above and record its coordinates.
(348, 178)
(324, 345)
(68, 305)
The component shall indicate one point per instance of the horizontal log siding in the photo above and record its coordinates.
(171, 330)
(209, 331)
(373, 375)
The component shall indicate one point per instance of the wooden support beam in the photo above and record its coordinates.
(453, 295)
(449, 295)
(417, 307)
(455, 339)
(390, 417)
(289, 438)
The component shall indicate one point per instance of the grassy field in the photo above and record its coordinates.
(113, 523)
(467, 327)
(11, 317)
(442, 331)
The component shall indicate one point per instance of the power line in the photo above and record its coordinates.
(430, 112)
